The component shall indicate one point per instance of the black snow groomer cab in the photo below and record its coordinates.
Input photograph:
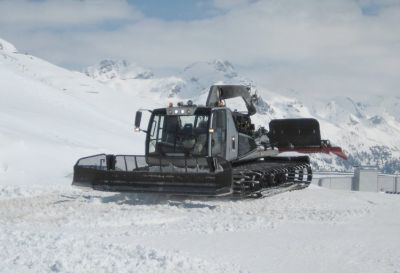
(208, 150)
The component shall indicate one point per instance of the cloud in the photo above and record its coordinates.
(323, 47)
(64, 12)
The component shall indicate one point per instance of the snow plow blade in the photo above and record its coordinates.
(294, 132)
(210, 176)
(300, 135)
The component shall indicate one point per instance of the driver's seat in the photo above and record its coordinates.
(187, 129)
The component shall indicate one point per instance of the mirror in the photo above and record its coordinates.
(138, 118)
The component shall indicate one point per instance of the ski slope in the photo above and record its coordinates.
(49, 117)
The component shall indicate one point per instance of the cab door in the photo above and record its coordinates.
(232, 139)
(218, 133)
(223, 138)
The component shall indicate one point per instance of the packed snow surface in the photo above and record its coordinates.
(60, 229)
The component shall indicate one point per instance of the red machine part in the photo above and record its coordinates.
(325, 148)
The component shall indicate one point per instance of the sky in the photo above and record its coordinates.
(326, 48)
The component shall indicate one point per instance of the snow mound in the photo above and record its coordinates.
(7, 47)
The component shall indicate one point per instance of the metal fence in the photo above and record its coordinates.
(141, 163)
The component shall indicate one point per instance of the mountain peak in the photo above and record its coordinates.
(7, 47)
(226, 67)
(221, 69)
(121, 69)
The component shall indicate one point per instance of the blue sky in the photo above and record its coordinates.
(176, 9)
(337, 46)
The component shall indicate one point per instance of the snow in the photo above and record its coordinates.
(7, 47)
(50, 116)
(314, 230)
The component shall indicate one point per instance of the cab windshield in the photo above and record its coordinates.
(174, 134)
